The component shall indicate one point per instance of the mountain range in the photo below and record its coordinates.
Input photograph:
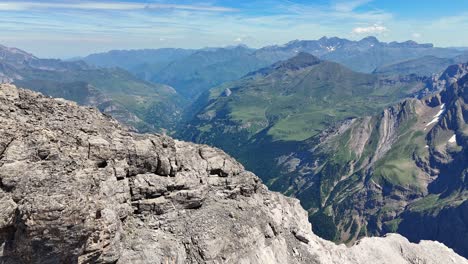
(144, 105)
(78, 187)
(422, 66)
(403, 170)
(293, 100)
(191, 72)
(302, 126)
(369, 136)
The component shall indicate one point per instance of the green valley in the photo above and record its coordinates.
(312, 129)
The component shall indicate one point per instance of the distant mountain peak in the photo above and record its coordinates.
(14, 54)
(14, 50)
(289, 43)
(410, 44)
(229, 47)
(305, 56)
(370, 39)
(323, 38)
(301, 60)
(454, 72)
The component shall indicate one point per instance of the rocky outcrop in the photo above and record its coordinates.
(77, 187)
(443, 80)
(401, 171)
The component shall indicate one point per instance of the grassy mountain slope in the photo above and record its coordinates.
(145, 105)
(156, 106)
(293, 100)
(303, 126)
(401, 171)
(191, 72)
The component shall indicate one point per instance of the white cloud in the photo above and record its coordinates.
(374, 29)
(416, 35)
(19, 6)
(53, 28)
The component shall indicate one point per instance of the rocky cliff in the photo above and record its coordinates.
(77, 187)
(404, 170)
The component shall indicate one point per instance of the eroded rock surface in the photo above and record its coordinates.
(77, 187)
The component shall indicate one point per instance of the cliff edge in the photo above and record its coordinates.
(78, 187)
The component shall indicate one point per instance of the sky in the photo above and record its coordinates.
(69, 28)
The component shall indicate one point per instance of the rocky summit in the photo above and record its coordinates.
(78, 187)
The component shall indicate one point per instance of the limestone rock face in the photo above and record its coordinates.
(77, 187)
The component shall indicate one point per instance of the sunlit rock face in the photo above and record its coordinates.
(77, 187)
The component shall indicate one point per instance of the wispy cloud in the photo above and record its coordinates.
(416, 35)
(348, 6)
(340, 11)
(21, 6)
(374, 29)
(73, 27)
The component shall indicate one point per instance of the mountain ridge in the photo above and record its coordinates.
(382, 153)
(319, 82)
(408, 162)
(196, 71)
(99, 193)
(115, 91)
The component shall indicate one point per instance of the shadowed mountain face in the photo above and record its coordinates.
(389, 172)
(144, 105)
(205, 69)
(294, 127)
(423, 66)
(191, 72)
(402, 171)
(77, 187)
(129, 59)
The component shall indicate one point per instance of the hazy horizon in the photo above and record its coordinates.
(69, 28)
(104, 50)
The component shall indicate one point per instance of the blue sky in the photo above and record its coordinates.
(66, 28)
